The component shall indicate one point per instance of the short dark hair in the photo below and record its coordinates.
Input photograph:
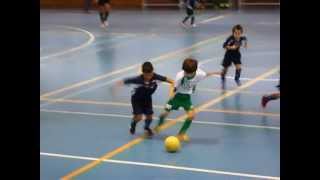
(237, 27)
(190, 65)
(147, 67)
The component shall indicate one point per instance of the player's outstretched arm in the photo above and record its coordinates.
(213, 73)
(171, 91)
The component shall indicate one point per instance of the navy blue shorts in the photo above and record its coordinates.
(230, 58)
(143, 106)
(190, 12)
(102, 2)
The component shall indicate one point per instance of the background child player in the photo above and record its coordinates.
(185, 83)
(233, 55)
(141, 99)
(190, 7)
(104, 9)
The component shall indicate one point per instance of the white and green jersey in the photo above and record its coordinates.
(184, 85)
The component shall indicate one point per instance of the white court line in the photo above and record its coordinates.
(162, 166)
(84, 90)
(130, 116)
(160, 58)
(121, 104)
(112, 81)
(91, 39)
(211, 19)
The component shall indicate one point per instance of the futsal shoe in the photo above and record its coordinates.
(157, 129)
(183, 137)
(264, 101)
(238, 82)
(193, 25)
(183, 25)
(148, 132)
(106, 23)
(102, 25)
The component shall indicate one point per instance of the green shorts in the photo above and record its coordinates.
(179, 100)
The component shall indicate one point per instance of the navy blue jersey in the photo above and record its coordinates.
(144, 89)
(191, 4)
(232, 41)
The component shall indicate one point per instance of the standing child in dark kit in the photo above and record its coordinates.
(190, 7)
(232, 46)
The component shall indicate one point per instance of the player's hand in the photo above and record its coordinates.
(232, 47)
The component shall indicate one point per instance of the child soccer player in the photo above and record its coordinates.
(266, 98)
(104, 9)
(233, 55)
(141, 99)
(190, 6)
(185, 83)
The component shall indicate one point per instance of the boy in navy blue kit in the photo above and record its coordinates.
(190, 7)
(141, 99)
(233, 55)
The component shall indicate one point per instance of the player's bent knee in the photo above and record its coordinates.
(137, 117)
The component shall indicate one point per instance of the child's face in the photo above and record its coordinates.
(237, 34)
(189, 75)
(147, 76)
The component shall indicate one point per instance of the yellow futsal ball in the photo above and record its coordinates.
(172, 144)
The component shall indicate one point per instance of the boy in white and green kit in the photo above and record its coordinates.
(185, 84)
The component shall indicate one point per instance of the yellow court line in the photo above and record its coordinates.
(154, 60)
(78, 101)
(168, 124)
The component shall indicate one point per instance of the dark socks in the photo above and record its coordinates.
(223, 74)
(133, 126)
(237, 75)
(106, 14)
(185, 19)
(101, 17)
(161, 120)
(147, 123)
(185, 126)
(192, 20)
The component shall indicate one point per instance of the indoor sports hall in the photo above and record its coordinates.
(85, 123)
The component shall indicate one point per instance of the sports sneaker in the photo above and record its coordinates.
(183, 25)
(183, 137)
(148, 131)
(157, 129)
(264, 101)
(102, 25)
(238, 82)
(106, 23)
(193, 25)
